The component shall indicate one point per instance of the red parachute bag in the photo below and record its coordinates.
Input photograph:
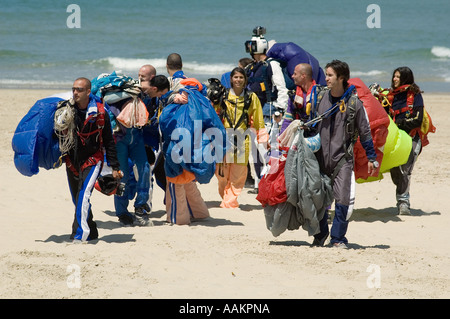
(272, 186)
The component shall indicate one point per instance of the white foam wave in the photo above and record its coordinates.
(133, 64)
(440, 52)
(368, 73)
(126, 64)
(34, 83)
(446, 77)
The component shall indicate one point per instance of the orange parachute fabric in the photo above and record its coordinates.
(192, 82)
(184, 178)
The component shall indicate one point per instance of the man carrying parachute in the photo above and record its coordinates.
(128, 115)
(343, 114)
(83, 134)
(192, 143)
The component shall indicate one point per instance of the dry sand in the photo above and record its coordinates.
(231, 255)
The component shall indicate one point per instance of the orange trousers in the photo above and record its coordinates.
(231, 179)
(183, 202)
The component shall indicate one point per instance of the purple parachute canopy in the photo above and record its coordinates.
(292, 54)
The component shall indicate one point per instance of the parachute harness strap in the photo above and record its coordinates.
(333, 109)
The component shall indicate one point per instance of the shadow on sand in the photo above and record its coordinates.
(300, 243)
(389, 214)
(115, 238)
(243, 207)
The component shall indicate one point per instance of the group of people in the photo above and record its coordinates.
(256, 98)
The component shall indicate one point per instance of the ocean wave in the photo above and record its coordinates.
(128, 64)
(38, 84)
(440, 52)
(368, 73)
(132, 64)
(447, 78)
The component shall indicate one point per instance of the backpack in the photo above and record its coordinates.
(265, 81)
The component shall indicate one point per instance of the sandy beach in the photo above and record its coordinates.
(230, 255)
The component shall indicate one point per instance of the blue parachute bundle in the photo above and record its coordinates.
(292, 54)
(33, 142)
(192, 127)
(113, 80)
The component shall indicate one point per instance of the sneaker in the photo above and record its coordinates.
(140, 221)
(319, 242)
(340, 245)
(253, 191)
(126, 220)
(403, 209)
(249, 183)
(142, 210)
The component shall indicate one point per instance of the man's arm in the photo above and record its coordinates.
(278, 82)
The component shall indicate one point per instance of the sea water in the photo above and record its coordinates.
(47, 44)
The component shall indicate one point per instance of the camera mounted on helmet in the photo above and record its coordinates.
(258, 44)
(259, 31)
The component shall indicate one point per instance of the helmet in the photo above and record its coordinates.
(215, 90)
(257, 45)
(107, 184)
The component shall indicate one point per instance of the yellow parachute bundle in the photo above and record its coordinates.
(395, 153)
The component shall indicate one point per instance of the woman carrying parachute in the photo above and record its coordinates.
(240, 110)
(404, 103)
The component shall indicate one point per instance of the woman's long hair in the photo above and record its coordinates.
(406, 77)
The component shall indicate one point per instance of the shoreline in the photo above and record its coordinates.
(68, 89)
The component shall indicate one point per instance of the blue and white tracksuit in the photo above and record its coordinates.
(81, 186)
(84, 164)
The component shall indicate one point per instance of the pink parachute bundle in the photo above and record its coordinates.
(133, 114)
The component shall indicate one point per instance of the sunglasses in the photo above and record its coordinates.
(78, 89)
